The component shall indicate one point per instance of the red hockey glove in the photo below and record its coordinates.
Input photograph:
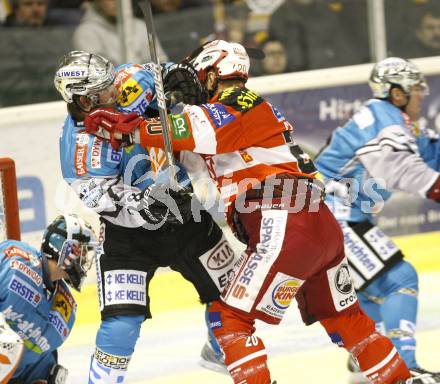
(434, 191)
(111, 122)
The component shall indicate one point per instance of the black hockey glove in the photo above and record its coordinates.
(58, 375)
(164, 205)
(181, 84)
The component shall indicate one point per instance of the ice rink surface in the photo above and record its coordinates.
(168, 349)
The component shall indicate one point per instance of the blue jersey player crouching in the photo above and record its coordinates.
(376, 152)
(37, 309)
(138, 231)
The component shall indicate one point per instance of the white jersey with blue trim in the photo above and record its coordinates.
(42, 319)
(110, 181)
(428, 142)
(372, 155)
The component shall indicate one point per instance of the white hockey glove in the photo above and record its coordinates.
(11, 350)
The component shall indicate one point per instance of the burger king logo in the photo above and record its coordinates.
(284, 292)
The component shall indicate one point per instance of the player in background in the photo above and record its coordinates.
(37, 309)
(275, 205)
(380, 150)
(140, 229)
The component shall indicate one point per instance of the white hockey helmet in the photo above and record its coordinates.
(83, 73)
(61, 235)
(395, 71)
(229, 60)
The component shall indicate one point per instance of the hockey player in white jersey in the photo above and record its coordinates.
(372, 155)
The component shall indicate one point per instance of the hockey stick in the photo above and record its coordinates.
(145, 6)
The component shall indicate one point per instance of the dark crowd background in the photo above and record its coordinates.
(296, 35)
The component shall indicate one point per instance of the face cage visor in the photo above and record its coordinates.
(420, 87)
(76, 259)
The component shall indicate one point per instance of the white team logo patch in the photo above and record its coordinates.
(27, 271)
(219, 262)
(279, 295)
(341, 286)
(96, 152)
(360, 255)
(381, 243)
(253, 272)
(125, 287)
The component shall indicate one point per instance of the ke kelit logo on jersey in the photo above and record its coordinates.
(96, 152)
(278, 115)
(279, 295)
(16, 251)
(25, 291)
(179, 126)
(129, 92)
(219, 263)
(58, 323)
(82, 142)
(218, 114)
(27, 271)
(214, 320)
(125, 287)
(114, 156)
(26, 331)
(341, 286)
(247, 284)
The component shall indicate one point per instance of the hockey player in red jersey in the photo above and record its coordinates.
(275, 205)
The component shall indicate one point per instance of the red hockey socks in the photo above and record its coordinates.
(376, 355)
(245, 354)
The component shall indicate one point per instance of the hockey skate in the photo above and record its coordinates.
(422, 376)
(356, 375)
(211, 360)
(418, 375)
